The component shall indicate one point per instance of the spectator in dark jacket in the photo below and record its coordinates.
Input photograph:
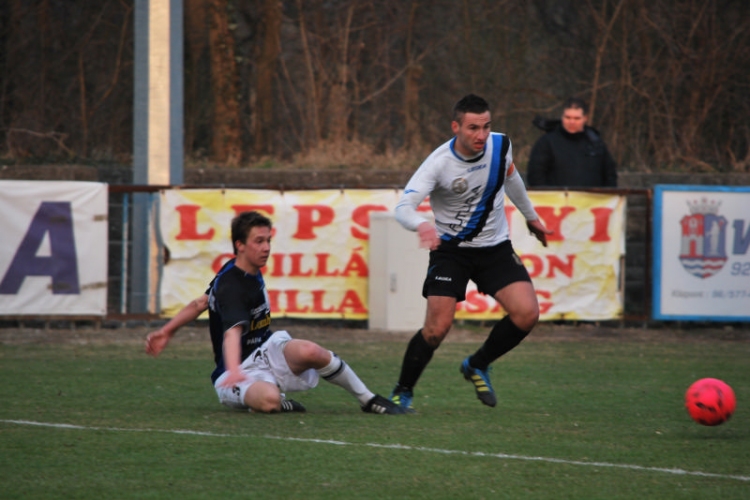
(571, 154)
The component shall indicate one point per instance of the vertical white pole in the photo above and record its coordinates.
(157, 132)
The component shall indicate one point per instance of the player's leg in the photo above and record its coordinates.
(303, 355)
(438, 319)
(258, 392)
(263, 397)
(504, 276)
(438, 322)
(444, 286)
(519, 301)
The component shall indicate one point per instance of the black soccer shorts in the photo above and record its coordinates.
(491, 268)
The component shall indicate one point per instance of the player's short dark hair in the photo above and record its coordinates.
(576, 103)
(469, 104)
(244, 222)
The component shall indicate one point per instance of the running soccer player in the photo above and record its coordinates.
(467, 179)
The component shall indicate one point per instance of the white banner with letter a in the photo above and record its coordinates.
(53, 260)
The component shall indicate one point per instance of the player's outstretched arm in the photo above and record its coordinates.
(156, 341)
(516, 191)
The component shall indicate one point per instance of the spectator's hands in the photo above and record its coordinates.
(428, 237)
(539, 231)
(156, 342)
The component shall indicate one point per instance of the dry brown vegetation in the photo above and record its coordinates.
(363, 83)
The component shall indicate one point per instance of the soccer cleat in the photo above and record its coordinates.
(379, 404)
(481, 381)
(402, 396)
(289, 405)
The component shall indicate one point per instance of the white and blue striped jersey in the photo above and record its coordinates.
(467, 196)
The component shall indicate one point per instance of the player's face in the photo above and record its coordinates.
(472, 133)
(254, 253)
(573, 120)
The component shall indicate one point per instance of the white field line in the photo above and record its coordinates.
(502, 456)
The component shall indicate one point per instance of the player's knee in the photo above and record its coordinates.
(269, 403)
(526, 319)
(434, 336)
(310, 353)
(263, 397)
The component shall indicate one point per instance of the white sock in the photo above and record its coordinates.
(338, 372)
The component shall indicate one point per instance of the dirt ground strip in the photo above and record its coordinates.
(547, 332)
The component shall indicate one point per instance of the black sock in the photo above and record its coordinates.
(504, 336)
(418, 355)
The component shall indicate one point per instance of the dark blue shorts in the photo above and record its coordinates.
(491, 268)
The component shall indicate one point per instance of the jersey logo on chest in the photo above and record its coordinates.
(460, 185)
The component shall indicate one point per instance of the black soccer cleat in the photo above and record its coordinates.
(290, 405)
(379, 404)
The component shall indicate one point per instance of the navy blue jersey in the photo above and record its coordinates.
(236, 298)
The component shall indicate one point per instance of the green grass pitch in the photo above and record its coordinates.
(577, 419)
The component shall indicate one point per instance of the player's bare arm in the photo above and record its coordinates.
(232, 356)
(156, 341)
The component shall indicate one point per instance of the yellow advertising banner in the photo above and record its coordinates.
(318, 266)
(319, 259)
(578, 275)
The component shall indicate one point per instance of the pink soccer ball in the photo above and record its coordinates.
(710, 401)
